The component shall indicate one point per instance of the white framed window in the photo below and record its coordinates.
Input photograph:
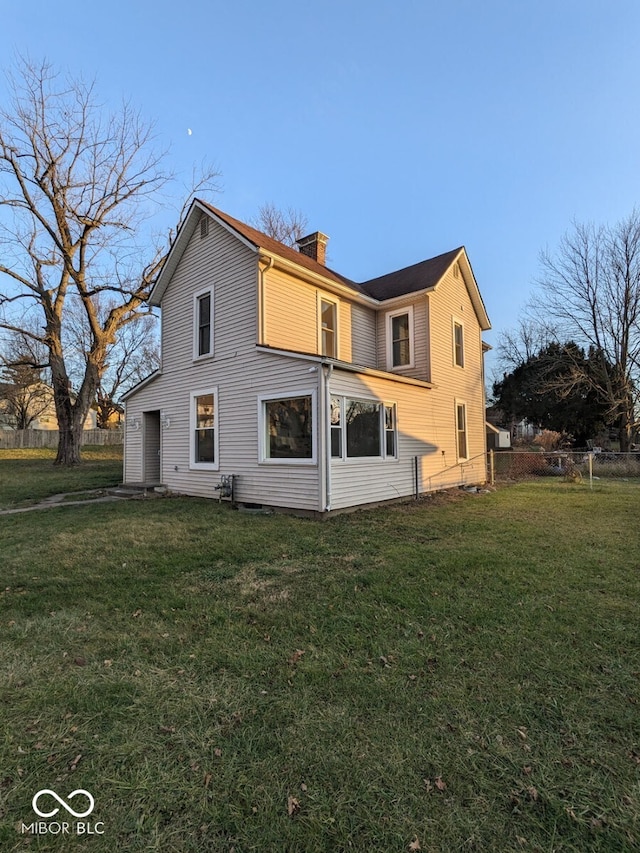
(400, 346)
(461, 430)
(203, 446)
(327, 326)
(336, 420)
(203, 323)
(363, 429)
(287, 429)
(458, 343)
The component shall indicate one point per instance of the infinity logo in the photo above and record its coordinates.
(62, 803)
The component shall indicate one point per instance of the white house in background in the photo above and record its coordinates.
(317, 393)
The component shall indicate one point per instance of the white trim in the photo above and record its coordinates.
(263, 458)
(324, 297)
(389, 317)
(347, 366)
(456, 321)
(204, 466)
(141, 384)
(457, 404)
(383, 404)
(205, 291)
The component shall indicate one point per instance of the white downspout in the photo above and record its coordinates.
(327, 429)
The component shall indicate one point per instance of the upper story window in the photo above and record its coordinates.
(458, 344)
(203, 323)
(400, 338)
(328, 311)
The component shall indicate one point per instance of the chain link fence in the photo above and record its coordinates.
(506, 465)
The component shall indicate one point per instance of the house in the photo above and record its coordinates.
(315, 392)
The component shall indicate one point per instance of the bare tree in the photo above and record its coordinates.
(76, 185)
(286, 226)
(517, 346)
(591, 290)
(25, 394)
(134, 356)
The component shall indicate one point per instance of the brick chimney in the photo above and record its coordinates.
(314, 246)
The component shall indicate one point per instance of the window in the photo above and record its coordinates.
(400, 338)
(458, 344)
(328, 328)
(336, 428)
(203, 324)
(461, 430)
(390, 431)
(204, 438)
(362, 428)
(287, 426)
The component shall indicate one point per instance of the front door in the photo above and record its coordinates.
(151, 447)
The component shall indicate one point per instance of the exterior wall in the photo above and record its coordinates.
(450, 301)
(238, 372)
(419, 434)
(421, 343)
(291, 320)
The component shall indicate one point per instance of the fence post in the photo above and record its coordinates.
(591, 470)
(492, 468)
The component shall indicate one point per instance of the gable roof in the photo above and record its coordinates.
(274, 247)
(418, 277)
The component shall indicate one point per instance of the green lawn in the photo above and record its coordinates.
(28, 475)
(455, 674)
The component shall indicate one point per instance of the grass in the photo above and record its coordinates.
(458, 673)
(29, 475)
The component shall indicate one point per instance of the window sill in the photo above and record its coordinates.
(309, 463)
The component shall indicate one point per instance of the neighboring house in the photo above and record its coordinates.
(115, 417)
(315, 392)
(33, 403)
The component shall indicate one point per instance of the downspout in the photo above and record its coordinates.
(327, 429)
(261, 307)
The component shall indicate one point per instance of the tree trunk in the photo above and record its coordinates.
(624, 434)
(69, 444)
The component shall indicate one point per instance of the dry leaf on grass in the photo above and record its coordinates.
(415, 844)
(295, 657)
(293, 806)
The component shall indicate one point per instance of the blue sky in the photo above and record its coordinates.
(402, 129)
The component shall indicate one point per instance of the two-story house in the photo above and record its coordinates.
(317, 393)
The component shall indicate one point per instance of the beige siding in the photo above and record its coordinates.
(420, 331)
(363, 335)
(451, 301)
(291, 320)
(237, 370)
(419, 435)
